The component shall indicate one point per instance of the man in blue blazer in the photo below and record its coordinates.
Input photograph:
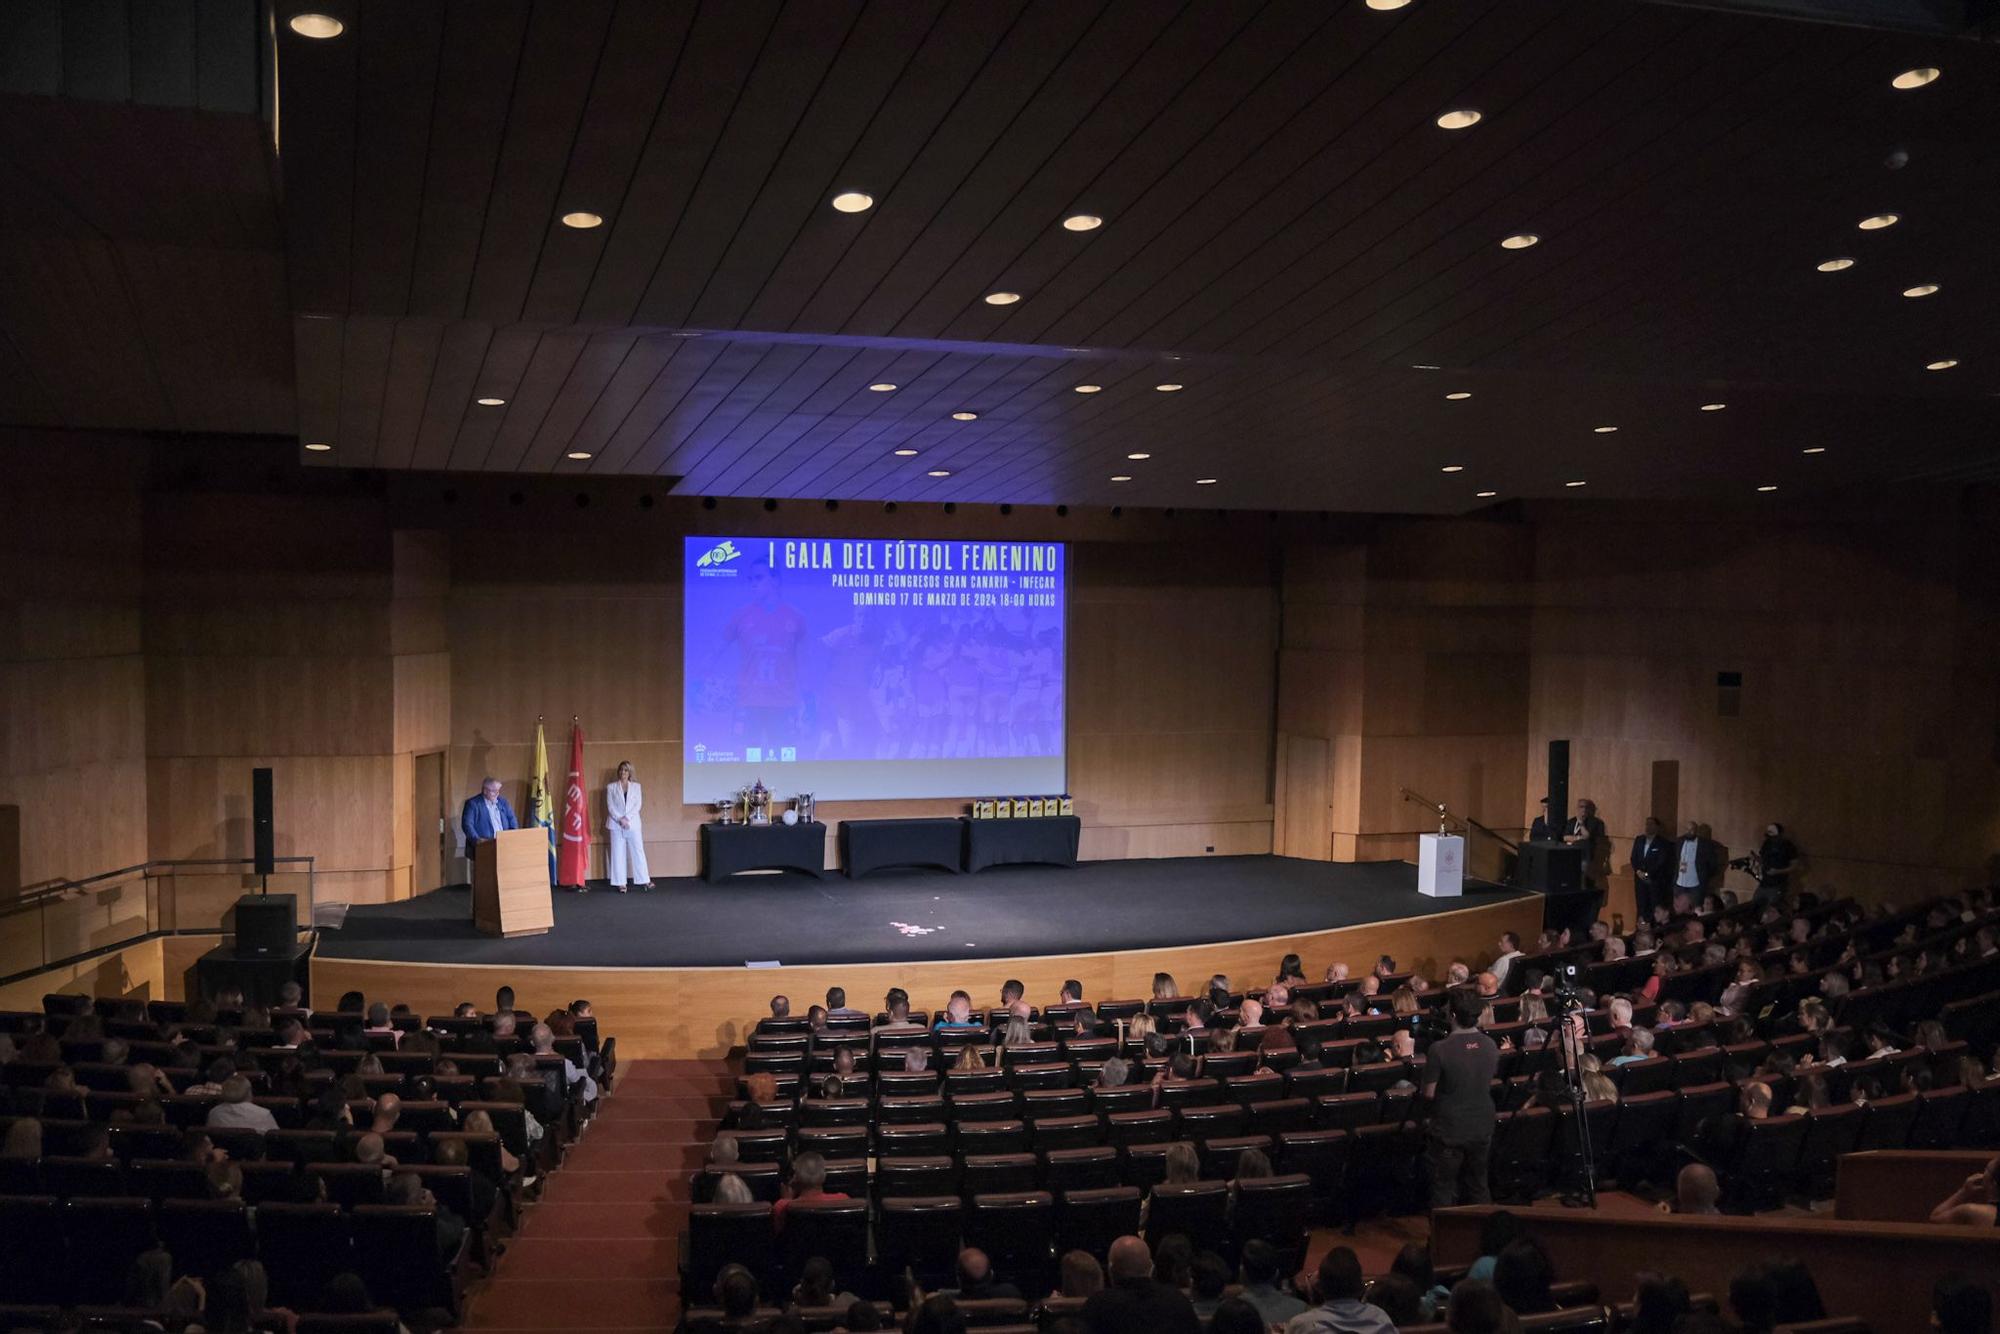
(485, 815)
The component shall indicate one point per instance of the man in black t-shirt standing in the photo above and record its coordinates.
(1458, 1076)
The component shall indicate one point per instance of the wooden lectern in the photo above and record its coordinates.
(510, 883)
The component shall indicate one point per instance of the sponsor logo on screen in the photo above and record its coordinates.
(788, 754)
(753, 754)
(719, 554)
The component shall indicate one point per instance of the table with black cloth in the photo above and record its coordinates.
(872, 845)
(1050, 839)
(729, 848)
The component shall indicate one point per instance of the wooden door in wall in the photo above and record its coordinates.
(1304, 799)
(430, 823)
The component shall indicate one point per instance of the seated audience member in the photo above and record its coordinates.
(1476, 1308)
(1210, 1279)
(781, 1007)
(1398, 1298)
(480, 1122)
(543, 1039)
(1336, 972)
(808, 1182)
(408, 1190)
(1342, 1308)
(816, 1286)
(957, 1016)
(1136, 1302)
(861, 1318)
(837, 1007)
(1696, 1190)
(736, 1294)
(733, 1189)
(1080, 1276)
(1114, 1072)
(1413, 1263)
(1071, 993)
(1658, 1301)
(1638, 1046)
(237, 1112)
(976, 1281)
(23, 1142)
(1500, 1230)
(937, 1315)
(1260, 1285)
(1233, 1315)
(1961, 1304)
(240, 1301)
(1182, 1163)
(1523, 1277)
(1976, 1202)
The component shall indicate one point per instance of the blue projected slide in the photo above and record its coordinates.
(862, 669)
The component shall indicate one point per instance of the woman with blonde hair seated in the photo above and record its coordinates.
(1164, 987)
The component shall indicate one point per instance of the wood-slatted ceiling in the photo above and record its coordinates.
(1287, 234)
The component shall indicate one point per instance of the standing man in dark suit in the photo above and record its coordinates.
(485, 815)
(1586, 831)
(1697, 862)
(1652, 870)
(1541, 831)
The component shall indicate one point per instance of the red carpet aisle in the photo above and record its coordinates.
(598, 1250)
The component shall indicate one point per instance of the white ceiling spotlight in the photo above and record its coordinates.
(1460, 118)
(319, 27)
(853, 201)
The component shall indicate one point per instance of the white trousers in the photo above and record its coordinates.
(627, 851)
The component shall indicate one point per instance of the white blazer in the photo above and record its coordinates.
(625, 803)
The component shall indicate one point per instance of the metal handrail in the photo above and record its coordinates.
(1464, 821)
(55, 891)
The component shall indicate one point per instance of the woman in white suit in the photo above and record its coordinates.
(627, 852)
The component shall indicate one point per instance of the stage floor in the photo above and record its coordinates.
(915, 916)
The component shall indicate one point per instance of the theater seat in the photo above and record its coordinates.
(928, 1175)
(32, 1260)
(105, 1236)
(1045, 1104)
(1940, 1113)
(302, 1246)
(384, 1321)
(1274, 1210)
(1387, 1173)
(989, 1137)
(980, 1108)
(922, 1234)
(1888, 1123)
(1523, 1148)
(1050, 1075)
(1090, 1220)
(1091, 1167)
(1280, 1114)
(1017, 1231)
(1768, 1162)
(1211, 1122)
(834, 1141)
(1148, 1127)
(1579, 1320)
(1200, 1209)
(1830, 1133)
(396, 1254)
(1064, 1132)
(1125, 1098)
(1642, 1135)
(205, 1236)
(1699, 1105)
(721, 1234)
(998, 1173)
(348, 1184)
(1320, 1155)
(834, 1229)
(1219, 1157)
(158, 1179)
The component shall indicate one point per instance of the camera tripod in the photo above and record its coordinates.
(1582, 1192)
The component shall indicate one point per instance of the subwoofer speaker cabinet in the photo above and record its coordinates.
(267, 925)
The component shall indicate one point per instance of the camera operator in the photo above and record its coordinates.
(1458, 1084)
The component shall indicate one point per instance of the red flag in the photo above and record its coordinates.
(573, 859)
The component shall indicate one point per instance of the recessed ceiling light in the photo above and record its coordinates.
(1137, 458)
(1082, 222)
(1089, 388)
(853, 201)
(1602, 430)
(1459, 118)
(940, 472)
(1386, 5)
(1121, 477)
(1573, 483)
(1519, 241)
(319, 27)
(881, 387)
(1452, 467)
(1767, 487)
(1813, 449)
(1204, 481)
(1002, 298)
(965, 416)
(1169, 388)
(318, 448)
(1921, 289)
(906, 453)
(1942, 364)
(1426, 368)
(1875, 222)
(1713, 407)
(582, 221)
(491, 402)
(1486, 495)
(577, 454)
(1909, 78)
(1459, 394)
(1834, 265)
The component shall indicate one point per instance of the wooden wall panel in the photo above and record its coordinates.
(703, 1012)
(421, 686)
(332, 807)
(1866, 719)
(329, 704)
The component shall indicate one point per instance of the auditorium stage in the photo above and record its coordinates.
(666, 971)
(1004, 912)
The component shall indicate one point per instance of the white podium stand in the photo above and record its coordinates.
(1441, 865)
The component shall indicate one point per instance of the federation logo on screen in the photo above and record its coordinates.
(719, 554)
